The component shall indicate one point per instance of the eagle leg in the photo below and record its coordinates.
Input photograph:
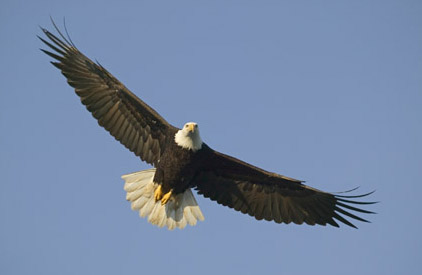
(158, 193)
(166, 197)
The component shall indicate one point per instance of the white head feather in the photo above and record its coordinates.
(188, 137)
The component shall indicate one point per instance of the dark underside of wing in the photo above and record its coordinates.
(131, 121)
(272, 197)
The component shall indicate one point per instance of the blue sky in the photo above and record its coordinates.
(325, 91)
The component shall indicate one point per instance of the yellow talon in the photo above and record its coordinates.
(158, 194)
(166, 197)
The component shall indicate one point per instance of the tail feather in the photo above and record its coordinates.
(180, 210)
(147, 209)
(139, 203)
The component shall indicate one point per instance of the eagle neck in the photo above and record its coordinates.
(190, 141)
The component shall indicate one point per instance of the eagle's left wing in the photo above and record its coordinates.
(271, 196)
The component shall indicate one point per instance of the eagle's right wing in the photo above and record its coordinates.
(130, 120)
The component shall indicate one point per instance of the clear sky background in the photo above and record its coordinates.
(325, 91)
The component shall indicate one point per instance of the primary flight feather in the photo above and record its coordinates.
(182, 161)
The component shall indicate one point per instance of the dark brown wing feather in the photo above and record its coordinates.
(130, 120)
(270, 196)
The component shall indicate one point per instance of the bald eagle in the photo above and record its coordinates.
(182, 161)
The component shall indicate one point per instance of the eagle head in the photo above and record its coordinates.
(188, 137)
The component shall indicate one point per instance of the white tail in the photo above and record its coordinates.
(180, 210)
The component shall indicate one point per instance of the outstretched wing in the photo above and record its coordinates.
(270, 196)
(130, 120)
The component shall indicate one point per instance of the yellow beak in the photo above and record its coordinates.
(191, 128)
